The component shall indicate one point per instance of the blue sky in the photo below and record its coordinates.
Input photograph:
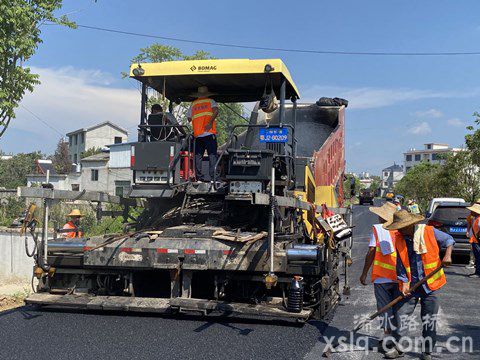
(396, 103)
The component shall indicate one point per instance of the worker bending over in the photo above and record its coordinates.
(418, 248)
(382, 254)
(73, 224)
(474, 233)
(202, 114)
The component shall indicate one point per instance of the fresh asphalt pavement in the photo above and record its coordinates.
(27, 333)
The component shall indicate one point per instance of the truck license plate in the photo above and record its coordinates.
(273, 135)
(458, 229)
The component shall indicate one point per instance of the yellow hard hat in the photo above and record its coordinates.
(75, 212)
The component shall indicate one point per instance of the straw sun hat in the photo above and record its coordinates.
(202, 91)
(401, 219)
(385, 211)
(75, 212)
(475, 208)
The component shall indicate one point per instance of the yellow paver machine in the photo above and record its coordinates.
(265, 236)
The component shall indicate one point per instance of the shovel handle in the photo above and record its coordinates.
(397, 299)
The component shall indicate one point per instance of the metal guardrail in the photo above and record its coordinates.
(94, 196)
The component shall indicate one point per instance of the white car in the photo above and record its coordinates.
(435, 201)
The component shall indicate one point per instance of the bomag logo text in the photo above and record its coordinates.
(204, 68)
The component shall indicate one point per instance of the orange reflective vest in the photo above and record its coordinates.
(202, 112)
(73, 234)
(431, 259)
(475, 229)
(385, 266)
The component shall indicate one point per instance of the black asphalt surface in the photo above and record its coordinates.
(27, 333)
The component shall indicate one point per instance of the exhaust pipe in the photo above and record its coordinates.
(66, 246)
(303, 253)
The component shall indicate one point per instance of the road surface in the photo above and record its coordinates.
(26, 333)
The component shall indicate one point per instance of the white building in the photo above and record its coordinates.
(96, 136)
(366, 183)
(430, 153)
(69, 181)
(98, 174)
(390, 176)
(106, 172)
(364, 175)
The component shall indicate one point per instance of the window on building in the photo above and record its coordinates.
(418, 157)
(434, 156)
(82, 138)
(75, 158)
(121, 187)
(408, 157)
(70, 141)
(408, 168)
(75, 187)
(429, 146)
(118, 140)
(94, 175)
(74, 139)
(385, 173)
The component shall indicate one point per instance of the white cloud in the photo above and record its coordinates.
(69, 98)
(420, 129)
(455, 122)
(431, 113)
(370, 98)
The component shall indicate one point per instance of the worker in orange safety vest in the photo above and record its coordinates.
(202, 114)
(383, 256)
(73, 224)
(418, 248)
(474, 234)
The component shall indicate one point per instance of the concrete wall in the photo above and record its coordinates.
(76, 146)
(107, 177)
(120, 155)
(14, 262)
(103, 136)
(59, 182)
(94, 137)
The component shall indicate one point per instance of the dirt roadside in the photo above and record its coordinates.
(13, 291)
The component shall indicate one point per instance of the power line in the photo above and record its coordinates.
(306, 51)
(40, 119)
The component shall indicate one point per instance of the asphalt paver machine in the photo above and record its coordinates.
(266, 236)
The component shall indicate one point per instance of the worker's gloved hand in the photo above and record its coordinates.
(363, 279)
(405, 289)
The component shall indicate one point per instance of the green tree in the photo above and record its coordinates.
(20, 30)
(14, 171)
(91, 151)
(10, 208)
(472, 141)
(375, 185)
(61, 159)
(421, 183)
(347, 186)
(160, 53)
(459, 177)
